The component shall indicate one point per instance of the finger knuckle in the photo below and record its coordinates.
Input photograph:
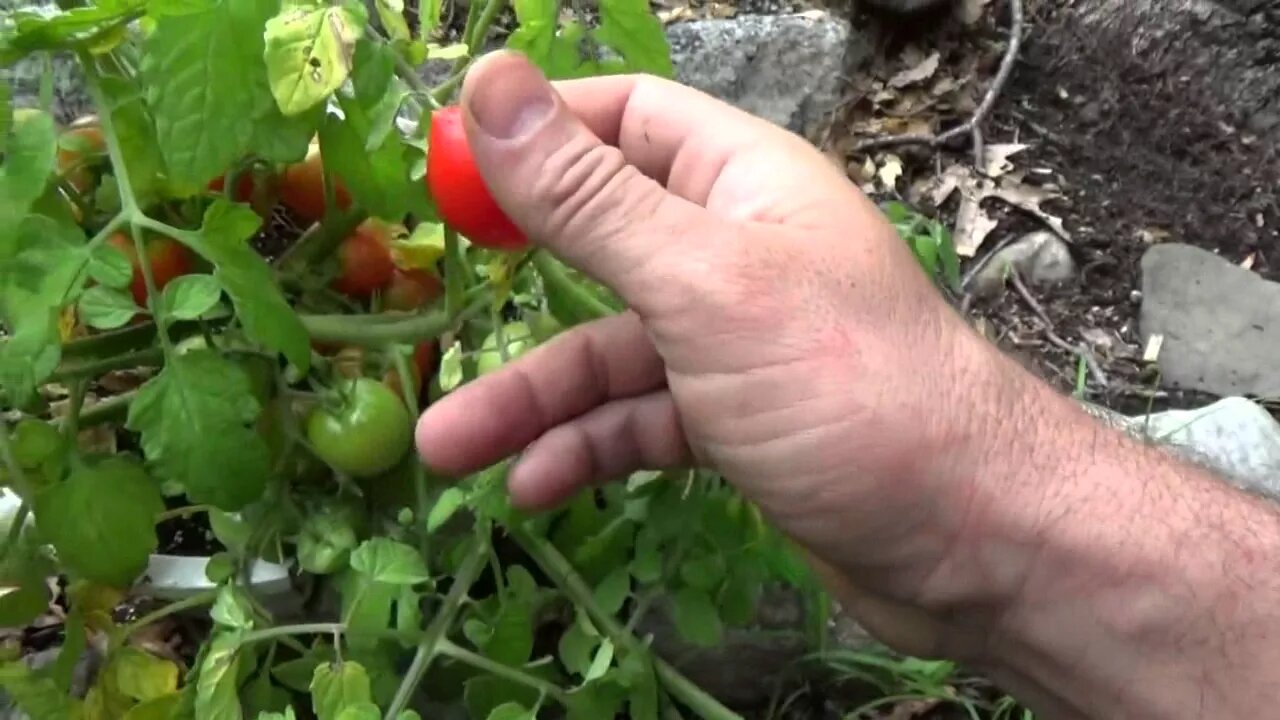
(588, 185)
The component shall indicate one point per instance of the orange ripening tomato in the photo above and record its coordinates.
(168, 257)
(365, 260)
(460, 192)
(302, 187)
(411, 289)
(79, 147)
(256, 188)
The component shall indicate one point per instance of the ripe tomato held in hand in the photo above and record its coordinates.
(168, 257)
(302, 187)
(460, 192)
(365, 260)
(366, 434)
(411, 289)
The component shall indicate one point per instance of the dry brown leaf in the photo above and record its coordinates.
(973, 225)
(1152, 235)
(889, 172)
(917, 73)
(911, 709)
(970, 11)
(1029, 198)
(995, 158)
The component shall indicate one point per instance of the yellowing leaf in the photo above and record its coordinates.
(143, 676)
(421, 250)
(309, 54)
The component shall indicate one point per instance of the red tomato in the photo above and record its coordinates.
(411, 289)
(365, 258)
(460, 192)
(168, 258)
(302, 187)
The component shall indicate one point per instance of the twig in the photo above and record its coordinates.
(1024, 292)
(984, 108)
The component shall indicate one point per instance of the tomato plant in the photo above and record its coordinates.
(460, 191)
(263, 393)
(366, 434)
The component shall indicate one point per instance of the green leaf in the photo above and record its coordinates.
(642, 686)
(378, 91)
(337, 686)
(297, 674)
(408, 715)
(510, 641)
(249, 280)
(704, 572)
(360, 711)
(24, 592)
(444, 508)
(510, 711)
(284, 139)
(110, 267)
(195, 419)
(646, 566)
(28, 163)
(385, 560)
(391, 13)
(577, 644)
(102, 520)
(286, 715)
(187, 297)
(309, 53)
(106, 309)
(451, 375)
(231, 609)
(143, 676)
(484, 693)
(600, 664)
(631, 28)
(35, 693)
(428, 16)
(612, 592)
(378, 179)
(366, 607)
(166, 707)
(135, 130)
(696, 618)
(740, 595)
(195, 67)
(217, 691)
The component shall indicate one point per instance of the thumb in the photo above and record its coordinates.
(568, 190)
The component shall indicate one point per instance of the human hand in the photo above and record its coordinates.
(779, 331)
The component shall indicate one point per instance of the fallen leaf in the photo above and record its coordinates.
(917, 73)
(1248, 262)
(1029, 198)
(1152, 235)
(970, 11)
(889, 172)
(973, 225)
(995, 158)
(1151, 352)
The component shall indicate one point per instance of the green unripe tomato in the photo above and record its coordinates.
(519, 341)
(366, 434)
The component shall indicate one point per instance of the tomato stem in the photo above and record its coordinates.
(439, 626)
(456, 652)
(409, 330)
(200, 599)
(109, 410)
(555, 277)
(555, 565)
(73, 370)
(75, 404)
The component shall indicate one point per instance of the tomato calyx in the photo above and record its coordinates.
(459, 190)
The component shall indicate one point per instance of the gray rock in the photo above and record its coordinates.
(82, 677)
(1041, 258)
(1234, 437)
(1220, 322)
(784, 68)
(905, 7)
(70, 96)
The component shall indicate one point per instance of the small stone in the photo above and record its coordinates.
(1220, 322)
(1040, 258)
(783, 68)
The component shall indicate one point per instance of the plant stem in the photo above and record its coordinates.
(199, 599)
(184, 511)
(480, 662)
(94, 368)
(109, 343)
(71, 423)
(554, 276)
(410, 390)
(408, 330)
(107, 411)
(475, 36)
(439, 625)
(571, 583)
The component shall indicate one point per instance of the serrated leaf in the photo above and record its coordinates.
(231, 609)
(136, 132)
(195, 419)
(309, 54)
(249, 281)
(284, 139)
(187, 297)
(101, 520)
(576, 646)
(510, 711)
(387, 561)
(143, 676)
(484, 693)
(631, 28)
(297, 674)
(194, 67)
(337, 686)
(360, 711)
(217, 694)
(161, 708)
(612, 592)
(391, 13)
(106, 308)
(642, 686)
(696, 618)
(110, 267)
(286, 715)
(704, 572)
(449, 502)
(646, 565)
(600, 664)
(378, 91)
